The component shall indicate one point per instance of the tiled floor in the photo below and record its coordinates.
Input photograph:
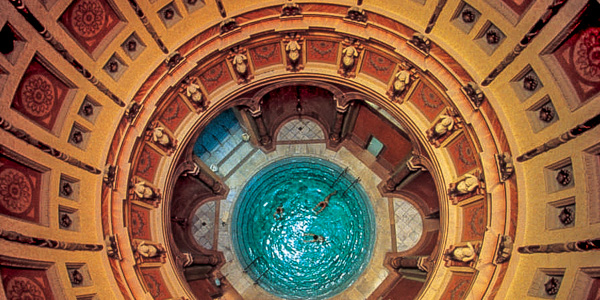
(409, 225)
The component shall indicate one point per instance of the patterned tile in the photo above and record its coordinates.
(300, 129)
(409, 225)
(203, 225)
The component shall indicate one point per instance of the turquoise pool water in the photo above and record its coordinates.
(275, 252)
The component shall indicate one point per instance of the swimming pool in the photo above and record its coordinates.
(277, 253)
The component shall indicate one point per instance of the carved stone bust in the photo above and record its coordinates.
(464, 253)
(143, 191)
(160, 137)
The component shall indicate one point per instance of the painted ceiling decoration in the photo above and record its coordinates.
(426, 110)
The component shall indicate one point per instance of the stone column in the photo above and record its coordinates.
(265, 139)
(336, 134)
(404, 174)
(205, 260)
(201, 174)
(259, 122)
(411, 262)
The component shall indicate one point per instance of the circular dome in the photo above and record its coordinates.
(290, 248)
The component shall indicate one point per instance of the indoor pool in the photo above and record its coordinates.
(294, 252)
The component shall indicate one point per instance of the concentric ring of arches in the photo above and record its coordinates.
(208, 47)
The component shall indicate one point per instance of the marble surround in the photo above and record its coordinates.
(374, 273)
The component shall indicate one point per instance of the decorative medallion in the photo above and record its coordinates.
(15, 191)
(21, 288)
(89, 22)
(88, 18)
(38, 95)
(586, 54)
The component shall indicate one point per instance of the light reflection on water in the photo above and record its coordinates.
(275, 252)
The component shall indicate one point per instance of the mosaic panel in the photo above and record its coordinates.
(175, 112)
(298, 129)
(203, 224)
(215, 77)
(19, 190)
(22, 283)
(474, 221)
(155, 283)
(147, 163)
(266, 55)
(322, 51)
(462, 154)
(139, 225)
(89, 22)
(378, 66)
(409, 225)
(40, 95)
(428, 100)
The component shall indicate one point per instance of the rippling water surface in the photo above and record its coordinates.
(275, 252)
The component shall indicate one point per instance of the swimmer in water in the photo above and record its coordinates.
(278, 215)
(323, 204)
(315, 238)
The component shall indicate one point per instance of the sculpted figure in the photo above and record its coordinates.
(192, 90)
(467, 185)
(143, 191)
(445, 124)
(463, 254)
(402, 81)
(148, 250)
(506, 165)
(475, 94)
(293, 50)
(349, 56)
(420, 41)
(240, 65)
(160, 137)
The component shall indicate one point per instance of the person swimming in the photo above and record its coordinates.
(278, 215)
(323, 204)
(315, 238)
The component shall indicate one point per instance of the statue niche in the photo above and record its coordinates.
(140, 190)
(466, 187)
(161, 137)
(239, 60)
(402, 81)
(350, 55)
(443, 127)
(148, 252)
(462, 256)
(293, 49)
(190, 90)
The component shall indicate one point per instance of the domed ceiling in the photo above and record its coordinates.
(130, 129)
